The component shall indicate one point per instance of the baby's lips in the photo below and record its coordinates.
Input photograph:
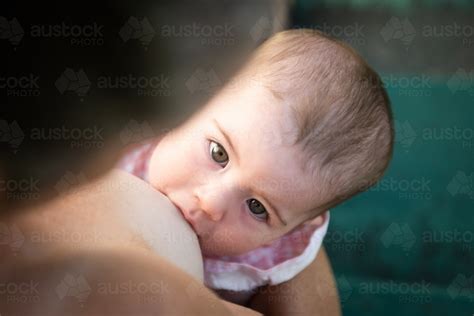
(183, 214)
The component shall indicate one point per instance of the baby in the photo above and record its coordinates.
(305, 125)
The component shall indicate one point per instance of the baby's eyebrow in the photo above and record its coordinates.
(227, 138)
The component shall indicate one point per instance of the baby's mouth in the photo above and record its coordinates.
(185, 217)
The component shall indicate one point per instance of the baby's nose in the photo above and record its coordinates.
(214, 201)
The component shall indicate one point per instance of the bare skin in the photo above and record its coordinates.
(116, 210)
(101, 232)
(174, 293)
(104, 237)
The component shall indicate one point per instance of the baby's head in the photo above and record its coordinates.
(304, 126)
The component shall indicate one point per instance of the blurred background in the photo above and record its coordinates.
(79, 83)
(406, 246)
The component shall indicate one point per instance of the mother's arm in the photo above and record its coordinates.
(311, 292)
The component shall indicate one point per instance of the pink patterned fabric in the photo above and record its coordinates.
(271, 264)
(286, 247)
(136, 158)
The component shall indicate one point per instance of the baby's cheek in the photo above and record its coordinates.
(164, 175)
(156, 171)
(157, 180)
(229, 243)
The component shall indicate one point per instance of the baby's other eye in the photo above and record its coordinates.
(257, 209)
(218, 153)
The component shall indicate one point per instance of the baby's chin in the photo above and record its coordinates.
(211, 248)
(213, 252)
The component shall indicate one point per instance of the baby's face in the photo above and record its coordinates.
(232, 171)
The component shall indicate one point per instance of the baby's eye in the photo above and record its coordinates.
(257, 209)
(218, 153)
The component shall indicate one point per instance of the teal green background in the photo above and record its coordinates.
(402, 248)
(431, 213)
